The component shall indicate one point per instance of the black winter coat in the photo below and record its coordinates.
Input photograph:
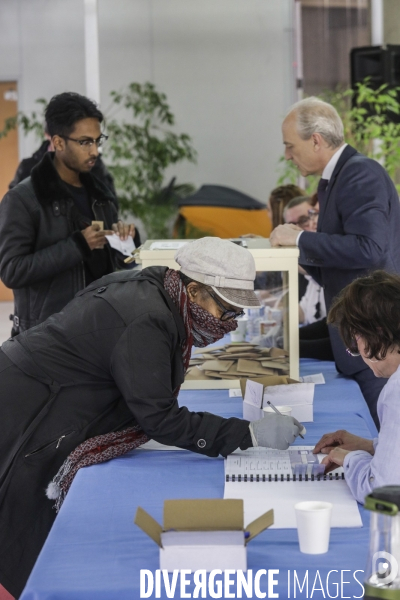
(42, 249)
(110, 359)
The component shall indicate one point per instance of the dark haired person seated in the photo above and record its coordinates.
(367, 313)
(116, 357)
(49, 248)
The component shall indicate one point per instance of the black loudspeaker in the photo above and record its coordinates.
(381, 64)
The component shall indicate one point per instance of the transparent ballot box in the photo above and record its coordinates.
(267, 339)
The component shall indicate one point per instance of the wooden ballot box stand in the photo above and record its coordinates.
(267, 259)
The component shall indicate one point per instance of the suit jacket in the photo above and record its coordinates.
(358, 232)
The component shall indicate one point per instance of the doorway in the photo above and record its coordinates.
(8, 150)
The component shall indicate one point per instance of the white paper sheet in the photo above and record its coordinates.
(126, 247)
(254, 393)
(291, 394)
(317, 378)
(167, 245)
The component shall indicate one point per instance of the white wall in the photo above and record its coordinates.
(225, 65)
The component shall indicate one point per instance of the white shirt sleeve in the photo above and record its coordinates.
(298, 237)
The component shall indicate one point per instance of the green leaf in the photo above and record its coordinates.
(141, 147)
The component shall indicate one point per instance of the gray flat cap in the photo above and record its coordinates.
(228, 268)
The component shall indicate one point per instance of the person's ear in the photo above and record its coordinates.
(316, 138)
(192, 290)
(58, 143)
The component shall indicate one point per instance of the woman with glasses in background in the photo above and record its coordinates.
(367, 313)
(314, 334)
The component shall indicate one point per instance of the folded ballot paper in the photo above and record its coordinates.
(203, 534)
(235, 360)
(280, 391)
(126, 247)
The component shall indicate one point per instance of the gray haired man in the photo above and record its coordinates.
(359, 218)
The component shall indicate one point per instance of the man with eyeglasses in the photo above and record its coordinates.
(26, 165)
(53, 225)
(299, 212)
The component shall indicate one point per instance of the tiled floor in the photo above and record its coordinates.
(6, 309)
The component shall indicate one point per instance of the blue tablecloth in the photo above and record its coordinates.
(94, 551)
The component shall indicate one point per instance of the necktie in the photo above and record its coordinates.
(321, 190)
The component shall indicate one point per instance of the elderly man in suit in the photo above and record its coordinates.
(359, 219)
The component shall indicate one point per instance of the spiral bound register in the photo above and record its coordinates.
(265, 478)
(262, 464)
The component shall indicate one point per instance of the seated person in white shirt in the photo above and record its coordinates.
(300, 212)
(314, 334)
(367, 313)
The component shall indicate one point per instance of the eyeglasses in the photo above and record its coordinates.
(352, 351)
(88, 142)
(227, 313)
(304, 220)
(355, 353)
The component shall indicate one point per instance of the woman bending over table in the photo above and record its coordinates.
(367, 313)
(109, 367)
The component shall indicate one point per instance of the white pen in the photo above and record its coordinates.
(278, 413)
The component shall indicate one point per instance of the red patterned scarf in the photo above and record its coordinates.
(201, 327)
(92, 452)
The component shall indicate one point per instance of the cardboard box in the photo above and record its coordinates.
(281, 391)
(202, 534)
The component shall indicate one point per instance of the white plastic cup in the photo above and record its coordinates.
(284, 410)
(239, 335)
(313, 526)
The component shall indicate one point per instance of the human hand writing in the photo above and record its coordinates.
(276, 431)
(344, 440)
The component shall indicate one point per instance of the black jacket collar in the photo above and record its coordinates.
(49, 186)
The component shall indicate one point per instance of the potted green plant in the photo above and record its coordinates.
(139, 150)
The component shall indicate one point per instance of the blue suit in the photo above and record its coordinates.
(358, 232)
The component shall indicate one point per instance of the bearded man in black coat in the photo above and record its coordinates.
(53, 225)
